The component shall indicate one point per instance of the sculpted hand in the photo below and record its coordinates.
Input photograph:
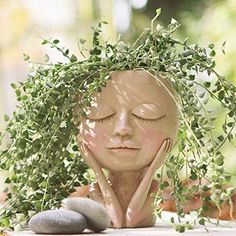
(160, 156)
(134, 212)
(89, 158)
(110, 199)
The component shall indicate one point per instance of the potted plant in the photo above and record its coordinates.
(43, 158)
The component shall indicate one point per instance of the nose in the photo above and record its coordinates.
(122, 126)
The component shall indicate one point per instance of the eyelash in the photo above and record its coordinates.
(137, 117)
(148, 120)
(102, 119)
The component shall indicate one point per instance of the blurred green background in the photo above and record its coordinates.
(23, 23)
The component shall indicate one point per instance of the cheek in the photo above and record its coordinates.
(153, 139)
(95, 138)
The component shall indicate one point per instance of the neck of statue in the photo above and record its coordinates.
(124, 184)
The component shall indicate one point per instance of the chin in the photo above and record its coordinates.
(123, 168)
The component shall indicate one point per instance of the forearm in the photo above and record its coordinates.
(139, 208)
(138, 200)
(110, 200)
(140, 197)
(142, 218)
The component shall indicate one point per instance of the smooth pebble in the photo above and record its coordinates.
(95, 213)
(59, 221)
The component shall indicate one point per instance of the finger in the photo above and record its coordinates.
(87, 155)
(167, 145)
(160, 156)
(163, 147)
(85, 150)
(170, 145)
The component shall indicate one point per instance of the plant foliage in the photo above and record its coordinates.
(42, 157)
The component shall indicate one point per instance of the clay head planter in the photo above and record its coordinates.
(128, 111)
(128, 130)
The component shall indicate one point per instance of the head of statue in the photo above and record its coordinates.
(129, 120)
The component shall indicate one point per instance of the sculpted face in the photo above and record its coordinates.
(129, 120)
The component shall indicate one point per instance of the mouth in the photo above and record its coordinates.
(123, 148)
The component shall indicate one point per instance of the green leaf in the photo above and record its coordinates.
(5, 222)
(162, 186)
(37, 206)
(44, 42)
(44, 184)
(76, 184)
(158, 12)
(180, 228)
(95, 51)
(211, 45)
(25, 57)
(231, 113)
(82, 41)
(221, 95)
(195, 188)
(205, 188)
(18, 92)
(166, 184)
(55, 41)
(193, 175)
(221, 138)
(201, 221)
(212, 53)
(228, 178)
(46, 58)
(230, 124)
(207, 84)
(75, 148)
(6, 118)
(213, 64)
(13, 85)
(104, 22)
(191, 77)
(7, 181)
(66, 52)
(73, 58)
(205, 208)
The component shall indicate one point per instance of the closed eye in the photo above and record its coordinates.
(149, 120)
(102, 119)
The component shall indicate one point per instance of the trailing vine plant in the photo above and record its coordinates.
(41, 154)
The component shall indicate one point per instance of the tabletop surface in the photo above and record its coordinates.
(161, 228)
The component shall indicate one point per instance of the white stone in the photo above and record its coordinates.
(95, 213)
(58, 222)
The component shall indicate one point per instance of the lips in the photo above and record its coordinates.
(124, 150)
(131, 148)
(123, 147)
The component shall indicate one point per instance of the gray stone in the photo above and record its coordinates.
(58, 222)
(95, 213)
